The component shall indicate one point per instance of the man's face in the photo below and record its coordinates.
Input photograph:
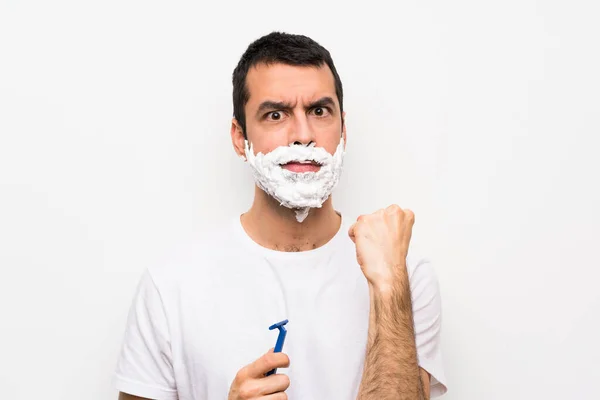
(291, 104)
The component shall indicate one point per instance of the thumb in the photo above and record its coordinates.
(351, 232)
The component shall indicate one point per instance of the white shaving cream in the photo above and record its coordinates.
(299, 191)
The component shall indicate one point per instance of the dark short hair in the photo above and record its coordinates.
(284, 48)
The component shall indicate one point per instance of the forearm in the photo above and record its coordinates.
(391, 369)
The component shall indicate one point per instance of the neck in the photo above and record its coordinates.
(275, 227)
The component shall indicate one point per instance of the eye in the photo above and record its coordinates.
(320, 111)
(275, 115)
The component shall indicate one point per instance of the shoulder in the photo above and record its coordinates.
(424, 292)
(194, 258)
(421, 271)
(424, 285)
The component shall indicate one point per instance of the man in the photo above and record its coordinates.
(364, 315)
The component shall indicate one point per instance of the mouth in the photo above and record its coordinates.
(301, 166)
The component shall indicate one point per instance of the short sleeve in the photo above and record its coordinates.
(427, 315)
(145, 366)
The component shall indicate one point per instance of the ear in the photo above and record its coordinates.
(344, 129)
(237, 139)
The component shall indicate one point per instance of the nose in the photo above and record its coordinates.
(301, 132)
(300, 143)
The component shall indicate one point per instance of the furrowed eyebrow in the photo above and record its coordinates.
(273, 105)
(269, 105)
(322, 102)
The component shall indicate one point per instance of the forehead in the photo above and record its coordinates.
(281, 82)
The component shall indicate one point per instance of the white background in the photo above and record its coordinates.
(482, 117)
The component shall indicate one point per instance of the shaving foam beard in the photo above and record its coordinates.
(299, 191)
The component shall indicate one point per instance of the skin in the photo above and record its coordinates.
(301, 89)
(290, 104)
(391, 369)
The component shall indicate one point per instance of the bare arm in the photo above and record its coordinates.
(391, 368)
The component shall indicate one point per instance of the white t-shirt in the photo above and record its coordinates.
(204, 313)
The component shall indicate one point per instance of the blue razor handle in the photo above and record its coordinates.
(280, 340)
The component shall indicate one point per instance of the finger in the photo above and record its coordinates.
(266, 363)
(409, 216)
(393, 209)
(274, 384)
(409, 221)
(276, 396)
(352, 233)
(254, 388)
